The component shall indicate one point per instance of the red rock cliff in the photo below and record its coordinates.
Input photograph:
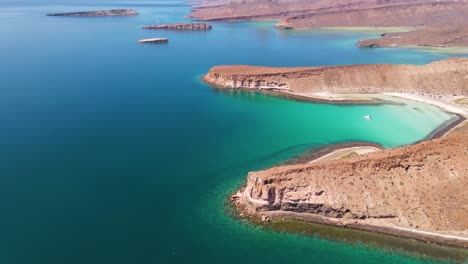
(420, 187)
(447, 77)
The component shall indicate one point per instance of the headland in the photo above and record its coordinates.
(415, 191)
(343, 84)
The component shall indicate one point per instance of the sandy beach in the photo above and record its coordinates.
(346, 152)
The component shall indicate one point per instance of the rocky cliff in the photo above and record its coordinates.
(114, 12)
(416, 191)
(441, 77)
(181, 26)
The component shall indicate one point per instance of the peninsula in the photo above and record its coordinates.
(319, 83)
(417, 191)
(182, 26)
(114, 12)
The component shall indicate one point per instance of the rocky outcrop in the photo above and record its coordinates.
(416, 191)
(114, 12)
(441, 77)
(437, 36)
(182, 26)
(404, 15)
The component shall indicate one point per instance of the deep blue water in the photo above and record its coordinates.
(115, 152)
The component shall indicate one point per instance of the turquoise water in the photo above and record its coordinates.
(115, 152)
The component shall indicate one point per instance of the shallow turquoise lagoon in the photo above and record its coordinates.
(115, 152)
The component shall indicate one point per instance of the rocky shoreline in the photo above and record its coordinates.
(274, 194)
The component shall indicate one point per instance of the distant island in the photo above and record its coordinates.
(181, 26)
(114, 12)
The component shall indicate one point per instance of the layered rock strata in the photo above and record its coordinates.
(416, 191)
(442, 77)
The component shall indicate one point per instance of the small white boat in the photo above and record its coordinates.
(368, 117)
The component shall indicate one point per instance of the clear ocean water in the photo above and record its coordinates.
(116, 152)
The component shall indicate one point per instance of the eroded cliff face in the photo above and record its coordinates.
(425, 14)
(444, 77)
(420, 187)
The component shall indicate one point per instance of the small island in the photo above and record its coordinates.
(100, 13)
(154, 40)
(182, 26)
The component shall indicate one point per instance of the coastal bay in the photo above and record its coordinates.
(295, 192)
(116, 152)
